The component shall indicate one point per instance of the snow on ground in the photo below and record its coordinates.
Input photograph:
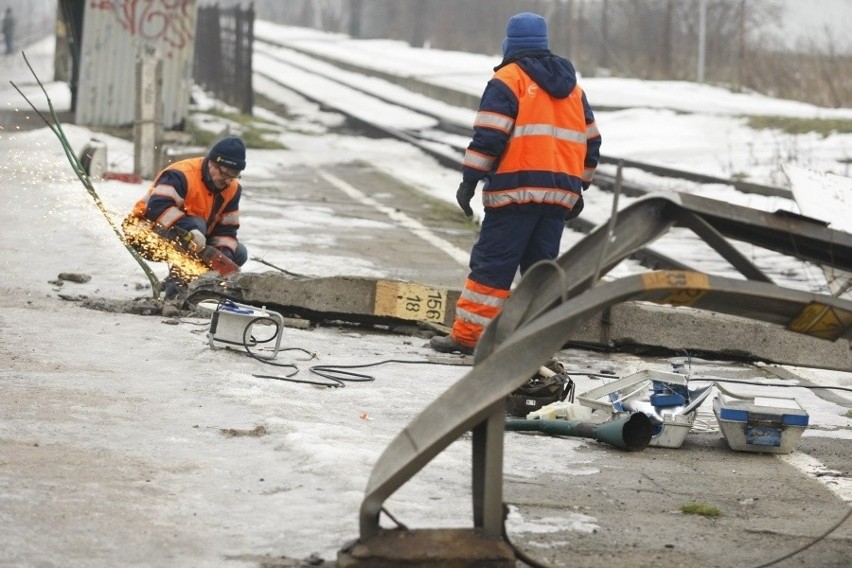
(674, 123)
(167, 398)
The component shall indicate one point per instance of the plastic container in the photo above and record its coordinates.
(760, 424)
(661, 395)
(626, 387)
(672, 432)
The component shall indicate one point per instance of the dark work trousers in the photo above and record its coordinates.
(509, 240)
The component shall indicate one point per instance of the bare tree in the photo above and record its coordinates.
(651, 39)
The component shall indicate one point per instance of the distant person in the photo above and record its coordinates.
(197, 198)
(536, 147)
(9, 31)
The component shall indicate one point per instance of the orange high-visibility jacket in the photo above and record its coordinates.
(180, 190)
(535, 137)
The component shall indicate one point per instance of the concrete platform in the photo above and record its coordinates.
(628, 326)
(361, 300)
(634, 324)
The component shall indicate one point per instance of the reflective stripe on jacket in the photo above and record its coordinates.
(533, 147)
(167, 204)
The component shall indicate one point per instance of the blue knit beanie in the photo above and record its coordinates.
(525, 31)
(229, 152)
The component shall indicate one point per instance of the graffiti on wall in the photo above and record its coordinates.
(169, 23)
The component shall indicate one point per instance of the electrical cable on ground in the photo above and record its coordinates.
(520, 554)
(533, 563)
(759, 384)
(337, 375)
(830, 530)
(56, 128)
(248, 341)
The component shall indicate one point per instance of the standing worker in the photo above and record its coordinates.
(9, 31)
(195, 200)
(536, 146)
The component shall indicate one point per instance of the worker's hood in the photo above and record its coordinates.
(554, 74)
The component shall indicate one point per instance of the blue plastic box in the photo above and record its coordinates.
(760, 424)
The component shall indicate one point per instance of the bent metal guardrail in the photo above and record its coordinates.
(476, 402)
(649, 218)
(554, 297)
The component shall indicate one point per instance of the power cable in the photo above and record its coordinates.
(759, 384)
(519, 554)
(336, 375)
(831, 529)
(56, 128)
(533, 563)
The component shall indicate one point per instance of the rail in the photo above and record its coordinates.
(427, 143)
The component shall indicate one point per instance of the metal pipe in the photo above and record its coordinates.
(631, 432)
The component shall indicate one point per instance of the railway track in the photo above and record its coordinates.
(381, 108)
(447, 140)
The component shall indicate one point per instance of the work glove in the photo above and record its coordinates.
(464, 194)
(227, 252)
(575, 212)
(197, 240)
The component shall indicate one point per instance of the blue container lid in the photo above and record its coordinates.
(232, 307)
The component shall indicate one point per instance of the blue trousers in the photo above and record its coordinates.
(512, 240)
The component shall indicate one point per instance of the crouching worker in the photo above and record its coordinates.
(196, 204)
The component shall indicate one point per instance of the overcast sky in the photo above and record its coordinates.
(811, 20)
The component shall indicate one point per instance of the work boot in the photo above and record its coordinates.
(445, 344)
(173, 287)
(174, 295)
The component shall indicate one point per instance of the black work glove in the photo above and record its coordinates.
(464, 194)
(575, 212)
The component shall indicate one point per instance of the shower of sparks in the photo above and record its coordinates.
(139, 235)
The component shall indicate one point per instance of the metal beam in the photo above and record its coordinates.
(553, 298)
(651, 216)
(503, 367)
(718, 243)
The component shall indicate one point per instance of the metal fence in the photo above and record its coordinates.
(223, 54)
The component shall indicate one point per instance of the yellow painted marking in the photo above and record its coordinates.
(686, 287)
(822, 321)
(410, 301)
